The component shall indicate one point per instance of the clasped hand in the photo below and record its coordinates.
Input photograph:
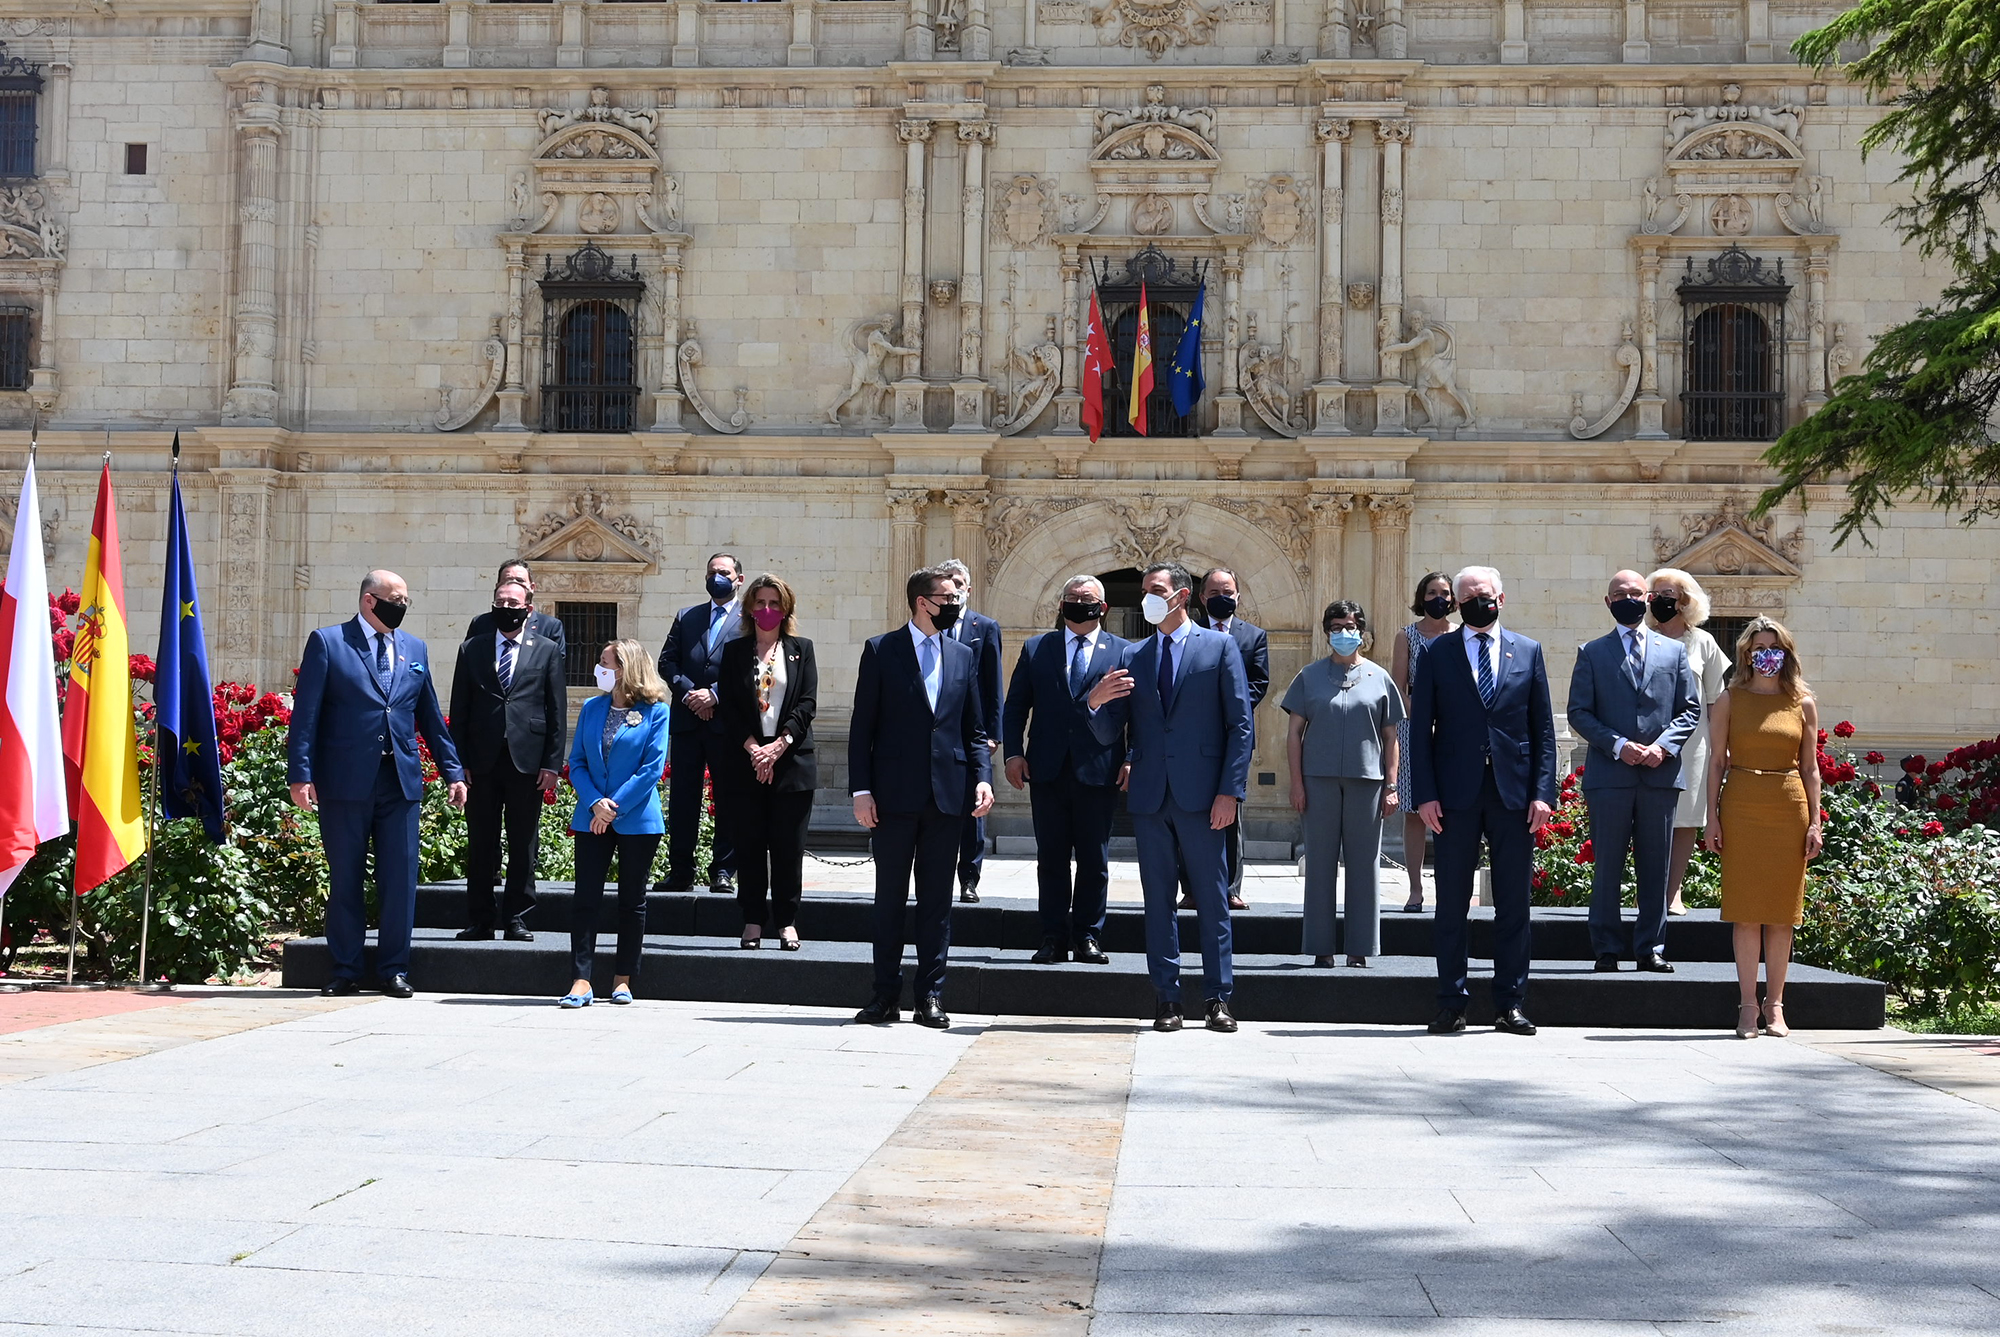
(1648, 755)
(602, 814)
(764, 757)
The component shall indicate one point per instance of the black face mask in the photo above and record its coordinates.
(720, 586)
(388, 614)
(1437, 607)
(946, 617)
(1665, 607)
(509, 619)
(1481, 610)
(1220, 606)
(1628, 612)
(1088, 610)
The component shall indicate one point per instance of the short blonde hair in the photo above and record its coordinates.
(637, 678)
(1694, 600)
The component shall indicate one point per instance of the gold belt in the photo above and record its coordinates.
(1789, 770)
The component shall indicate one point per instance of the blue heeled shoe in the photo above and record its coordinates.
(583, 999)
(621, 996)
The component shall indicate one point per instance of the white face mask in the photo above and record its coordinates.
(607, 678)
(1154, 608)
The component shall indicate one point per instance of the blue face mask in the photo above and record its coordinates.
(1344, 642)
(720, 586)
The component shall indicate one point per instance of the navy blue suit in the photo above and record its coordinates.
(920, 764)
(981, 635)
(1632, 807)
(691, 659)
(1072, 777)
(1185, 753)
(1255, 646)
(356, 744)
(1484, 766)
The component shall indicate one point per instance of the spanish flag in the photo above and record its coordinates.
(1142, 367)
(100, 739)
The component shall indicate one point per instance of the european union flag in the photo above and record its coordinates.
(184, 708)
(1184, 376)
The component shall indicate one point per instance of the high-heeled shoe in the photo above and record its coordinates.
(750, 944)
(1415, 907)
(1746, 1021)
(1774, 1020)
(1357, 962)
(786, 944)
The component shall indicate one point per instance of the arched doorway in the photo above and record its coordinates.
(1122, 595)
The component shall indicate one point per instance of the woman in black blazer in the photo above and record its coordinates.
(766, 694)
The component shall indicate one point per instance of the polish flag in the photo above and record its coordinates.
(32, 804)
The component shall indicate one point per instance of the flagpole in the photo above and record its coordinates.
(145, 985)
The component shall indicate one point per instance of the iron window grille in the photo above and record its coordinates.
(590, 326)
(17, 332)
(1733, 349)
(1171, 289)
(20, 92)
(587, 627)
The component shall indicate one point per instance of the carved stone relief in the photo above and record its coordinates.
(1042, 366)
(1728, 542)
(494, 353)
(1152, 216)
(1026, 203)
(1156, 27)
(869, 350)
(1730, 216)
(1627, 357)
(1283, 213)
(1151, 530)
(1435, 383)
(598, 214)
(584, 531)
(1011, 519)
(51, 522)
(599, 111)
(687, 358)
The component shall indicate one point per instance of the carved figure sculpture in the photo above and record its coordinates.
(870, 382)
(1435, 383)
(1042, 365)
(602, 112)
(1152, 216)
(1265, 371)
(1154, 110)
(597, 215)
(1730, 216)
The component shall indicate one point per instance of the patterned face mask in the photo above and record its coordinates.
(1767, 660)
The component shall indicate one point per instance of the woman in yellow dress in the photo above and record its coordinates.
(1763, 738)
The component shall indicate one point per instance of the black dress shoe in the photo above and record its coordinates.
(969, 894)
(1052, 953)
(340, 988)
(474, 935)
(1168, 1018)
(397, 986)
(879, 1012)
(1090, 953)
(1607, 963)
(722, 884)
(1323, 962)
(930, 1012)
(516, 933)
(1447, 1022)
(1219, 1018)
(1186, 902)
(1515, 1022)
(1654, 963)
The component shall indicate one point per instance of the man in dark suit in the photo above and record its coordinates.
(542, 626)
(917, 763)
(1483, 753)
(509, 718)
(1218, 597)
(981, 635)
(1183, 698)
(690, 662)
(1634, 699)
(363, 695)
(1071, 776)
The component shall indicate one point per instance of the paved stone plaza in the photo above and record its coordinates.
(257, 1162)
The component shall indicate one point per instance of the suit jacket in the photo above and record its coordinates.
(629, 776)
(981, 635)
(1255, 647)
(1061, 729)
(342, 721)
(898, 748)
(1452, 732)
(797, 769)
(686, 661)
(1606, 703)
(1201, 749)
(528, 723)
(546, 626)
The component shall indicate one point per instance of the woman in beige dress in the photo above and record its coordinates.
(1678, 607)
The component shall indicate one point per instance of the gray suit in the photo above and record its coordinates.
(1655, 699)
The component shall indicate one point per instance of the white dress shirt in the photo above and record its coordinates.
(767, 721)
(1492, 650)
(500, 641)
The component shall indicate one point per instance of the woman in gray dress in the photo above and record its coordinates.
(1344, 752)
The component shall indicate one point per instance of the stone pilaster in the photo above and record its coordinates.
(1391, 393)
(513, 396)
(1330, 506)
(907, 396)
(1329, 390)
(906, 546)
(244, 499)
(267, 33)
(1637, 49)
(1069, 399)
(968, 530)
(1651, 405)
(253, 395)
(1389, 521)
(1229, 402)
(1817, 269)
(971, 396)
(668, 398)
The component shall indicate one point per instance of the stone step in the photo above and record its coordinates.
(1394, 990)
(1012, 924)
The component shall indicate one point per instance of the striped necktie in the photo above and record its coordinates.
(506, 666)
(1485, 669)
(382, 664)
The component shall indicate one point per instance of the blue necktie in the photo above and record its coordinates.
(1485, 669)
(382, 661)
(927, 665)
(506, 666)
(716, 613)
(1166, 673)
(1077, 667)
(1635, 658)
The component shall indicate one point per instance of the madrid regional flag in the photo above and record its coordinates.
(32, 806)
(100, 740)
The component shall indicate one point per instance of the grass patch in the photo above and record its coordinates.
(1965, 1021)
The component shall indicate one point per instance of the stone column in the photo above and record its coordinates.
(253, 395)
(1651, 405)
(1817, 267)
(1229, 403)
(968, 532)
(1637, 50)
(1392, 395)
(975, 41)
(570, 53)
(1329, 391)
(244, 497)
(513, 395)
(906, 546)
(1389, 521)
(342, 54)
(1075, 308)
(1330, 508)
(44, 385)
(1513, 32)
(1336, 34)
(970, 394)
(687, 33)
(805, 23)
(1030, 17)
(908, 391)
(267, 33)
(919, 38)
(56, 168)
(668, 398)
(1757, 31)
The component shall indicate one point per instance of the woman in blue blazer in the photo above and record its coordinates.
(615, 763)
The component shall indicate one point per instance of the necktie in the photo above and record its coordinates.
(1077, 665)
(1166, 673)
(716, 613)
(927, 665)
(1485, 668)
(506, 666)
(1635, 656)
(382, 660)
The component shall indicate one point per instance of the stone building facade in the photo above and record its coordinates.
(620, 284)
